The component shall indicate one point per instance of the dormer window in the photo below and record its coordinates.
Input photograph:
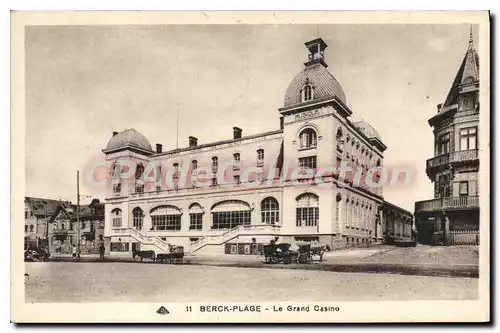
(308, 138)
(307, 93)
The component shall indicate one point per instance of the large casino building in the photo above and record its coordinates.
(235, 195)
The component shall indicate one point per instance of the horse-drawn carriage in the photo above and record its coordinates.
(282, 253)
(37, 254)
(279, 253)
(175, 256)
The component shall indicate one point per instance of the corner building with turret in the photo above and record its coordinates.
(248, 206)
(452, 216)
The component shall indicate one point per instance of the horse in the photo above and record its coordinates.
(144, 254)
(319, 250)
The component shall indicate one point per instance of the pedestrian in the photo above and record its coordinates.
(74, 252)
(101, 251)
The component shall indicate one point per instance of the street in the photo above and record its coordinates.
(136, 282)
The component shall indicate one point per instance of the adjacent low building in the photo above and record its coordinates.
(37, 213)
(63, 230)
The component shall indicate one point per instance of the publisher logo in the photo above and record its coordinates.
(162, 311)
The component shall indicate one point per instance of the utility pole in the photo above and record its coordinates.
(78, 214)
(177, 128)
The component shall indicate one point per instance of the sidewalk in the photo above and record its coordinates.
(361, 260)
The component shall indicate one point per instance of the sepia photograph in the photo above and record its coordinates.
(215, 167)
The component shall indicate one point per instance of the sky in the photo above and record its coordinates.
(84, 82)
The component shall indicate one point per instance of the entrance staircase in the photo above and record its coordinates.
(241, 230)
(147, 242)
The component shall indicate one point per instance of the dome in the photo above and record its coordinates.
(129, 137)
(323, 83)
(368, 130)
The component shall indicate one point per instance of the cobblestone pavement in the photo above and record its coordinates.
(136, 282)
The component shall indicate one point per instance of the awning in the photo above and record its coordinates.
(231, 206)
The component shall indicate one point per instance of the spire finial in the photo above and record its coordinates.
(471, 37)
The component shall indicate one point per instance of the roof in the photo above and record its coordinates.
(468, 73)
(129, 137)
(323, 82)
(216, 143)
(368, 130)
(42, 207)
(94, 211)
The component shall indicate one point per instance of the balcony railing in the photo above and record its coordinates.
(449, 203)
(458, 156)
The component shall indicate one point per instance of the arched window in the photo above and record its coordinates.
(175, 174)
(215, 163)
(32, 227)
(83, 225)
(137, 218)
(307, 93)
(139, 185)
(260, 155)
(195, 217)
(307, 211)
(63, 226)
(229, 214)
(270, 211)
(194, 164)
(166, 218)
(308, 138)
(236, 157)
(116, 171)
(158, 177)
(116, 218)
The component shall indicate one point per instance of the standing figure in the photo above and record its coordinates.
(101, 251)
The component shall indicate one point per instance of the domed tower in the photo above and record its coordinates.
(314, 106)
(318, 135)
(127, 153)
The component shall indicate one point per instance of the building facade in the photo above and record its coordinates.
(232, 196)
(63, 230)
(37, 212)
(452, 217)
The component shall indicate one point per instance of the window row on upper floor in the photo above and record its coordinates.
(467, 140)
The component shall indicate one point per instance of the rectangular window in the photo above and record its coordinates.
(139, 188)
(307, 217)
(117, 222)
(166, 222)
(229, 220)
(119, 247)
(444, 144)
(463, 188)
(468, 138)
(214, 181)
(196, 221)
(307, 162)
(443, 186)
(236, 179)
(26, 214)
(117, 188)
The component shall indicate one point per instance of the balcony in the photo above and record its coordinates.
(455, 157)
(450, 203)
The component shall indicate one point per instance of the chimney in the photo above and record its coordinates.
(158, 148)
(236, 132)
(282, 122)
(440, 106)
(193, 142)
(115, 133)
